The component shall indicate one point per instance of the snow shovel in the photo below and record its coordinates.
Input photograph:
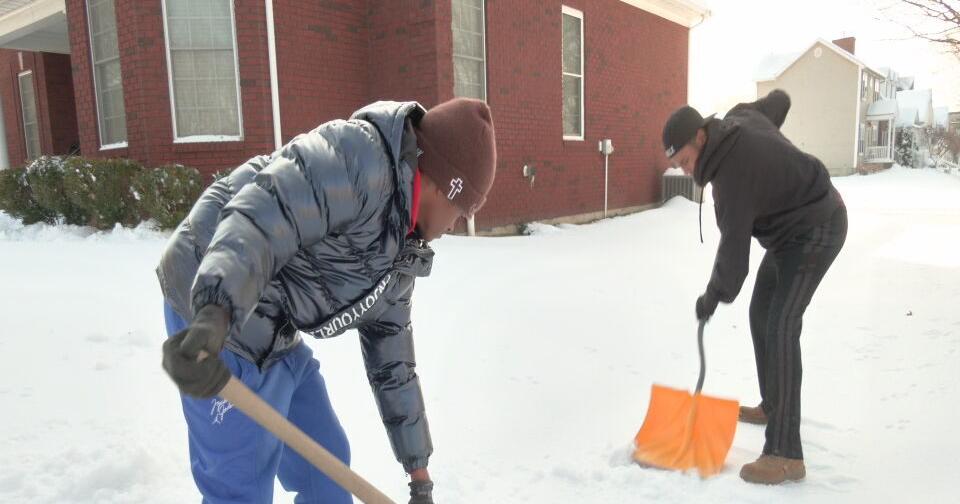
(683, 432)
(257, 409)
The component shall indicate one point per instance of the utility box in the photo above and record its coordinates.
(680, 185)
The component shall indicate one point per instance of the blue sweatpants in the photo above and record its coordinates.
(234, 460)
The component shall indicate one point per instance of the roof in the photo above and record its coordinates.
(687, 13)
(773, 66)
(882, 108)
(905, 83)
(907, 116)
(920, 100)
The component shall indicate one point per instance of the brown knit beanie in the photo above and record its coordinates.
(459, 151)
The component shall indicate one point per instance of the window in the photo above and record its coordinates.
(572, 74)
(469, 49)
(202, 64)
(28, 104)
(106, 73)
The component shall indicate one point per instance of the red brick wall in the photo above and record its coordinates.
(53, 90)
(10, 94)
(60, 106)
(848, 44)
(84, 99)
(143, 61)
(321, 61)
(411, 53)
(335, 56)
(635, 75)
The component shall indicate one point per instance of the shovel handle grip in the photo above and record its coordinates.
(703, 360)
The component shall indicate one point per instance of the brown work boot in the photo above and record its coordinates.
(773, 470)
(753, 415)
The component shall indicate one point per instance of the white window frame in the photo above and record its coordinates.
(570, 11)
(23, 114)
(96, 91)
(483, 28)
(236, 69)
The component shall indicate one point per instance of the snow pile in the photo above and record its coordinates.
(12, 229)
(537, 398)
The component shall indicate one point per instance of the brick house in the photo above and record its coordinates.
(211, 83)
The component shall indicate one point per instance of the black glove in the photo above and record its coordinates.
(207, 332)
(421, 492)
(706, 305)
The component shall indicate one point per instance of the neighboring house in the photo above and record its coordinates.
(941, 117)
(210, 84)
(916, 120)
(954, 120)
(842, 110)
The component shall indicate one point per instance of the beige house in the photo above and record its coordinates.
(842, 109)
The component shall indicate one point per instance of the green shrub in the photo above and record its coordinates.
(16, 198)
(166, 194)
(103, 190)
(45, 178)
(99, 192)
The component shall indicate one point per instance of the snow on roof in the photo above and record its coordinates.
(941, 116)
(882, 108)
(773, 65)
(907, 117)
(918, 99)
(905, 83)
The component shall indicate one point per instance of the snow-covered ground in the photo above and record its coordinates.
(536, 354)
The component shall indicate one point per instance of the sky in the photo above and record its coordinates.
(725, 50)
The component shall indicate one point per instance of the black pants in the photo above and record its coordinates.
(786, 281)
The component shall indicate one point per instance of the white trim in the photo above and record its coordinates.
(486, 96)
(34, 12)
(118, 145)
(856, 125)
(236, 70)
(683, 12)
(4, 153)
(207, 138)
(274, 78)
(570, 11)
(23, 114)
(483, 59)
(573, 12)
(31, 13)
(96, 91)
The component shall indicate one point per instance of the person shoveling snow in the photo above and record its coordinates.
(325, 235)
(764, 187)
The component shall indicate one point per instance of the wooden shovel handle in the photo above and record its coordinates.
(257, 409)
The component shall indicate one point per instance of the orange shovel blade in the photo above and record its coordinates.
(684, 432)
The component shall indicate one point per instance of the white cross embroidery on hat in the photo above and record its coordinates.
(456, 186)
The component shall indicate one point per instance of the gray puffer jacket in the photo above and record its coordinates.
(313, 239)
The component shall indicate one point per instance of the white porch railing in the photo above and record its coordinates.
(878, 153)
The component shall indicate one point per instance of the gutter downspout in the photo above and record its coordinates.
(4, 157)
(274, 79)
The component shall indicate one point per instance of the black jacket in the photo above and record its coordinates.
(763, 186)
(314, 239)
